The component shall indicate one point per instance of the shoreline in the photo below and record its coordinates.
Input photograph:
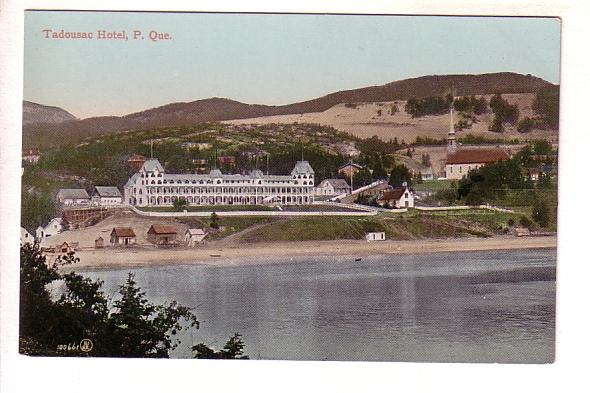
(251, 254)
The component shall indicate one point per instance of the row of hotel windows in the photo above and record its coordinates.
(187, 181)
(225, 182)
(220, 200)
(216, 190)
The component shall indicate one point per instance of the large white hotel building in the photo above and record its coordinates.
(151, 186)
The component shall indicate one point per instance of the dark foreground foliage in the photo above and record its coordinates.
(132, 327)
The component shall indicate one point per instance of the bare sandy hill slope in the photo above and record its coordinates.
(376, 118)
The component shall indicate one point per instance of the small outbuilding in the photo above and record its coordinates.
(375, 236)
(192, 237)
(99, 243)
(122, 236)
(161, 234)
(64, 248)
(521, 231)
(26, 237)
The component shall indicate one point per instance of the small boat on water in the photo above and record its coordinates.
(214, 255)
(358, 259)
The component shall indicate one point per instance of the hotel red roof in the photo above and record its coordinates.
(477, 156)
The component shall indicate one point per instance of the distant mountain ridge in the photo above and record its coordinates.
(219, 109)
(37, 113)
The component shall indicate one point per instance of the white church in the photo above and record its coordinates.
(152, 186)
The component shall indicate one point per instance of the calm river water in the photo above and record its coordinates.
(492, 306)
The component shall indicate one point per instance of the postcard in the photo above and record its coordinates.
(289, 186)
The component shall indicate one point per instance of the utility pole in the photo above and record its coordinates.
(152, 148)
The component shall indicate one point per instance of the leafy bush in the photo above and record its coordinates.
(525, 125)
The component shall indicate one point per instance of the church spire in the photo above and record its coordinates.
(451, 139)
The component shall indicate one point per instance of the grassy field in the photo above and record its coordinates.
(407, 226)
(228, 225)
(432, 185)
(45, 183)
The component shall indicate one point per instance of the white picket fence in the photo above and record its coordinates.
(446, 208)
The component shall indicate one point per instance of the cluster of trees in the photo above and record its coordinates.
(546, 105)
(471, 139)
(433, 105)
(400, 174)
(438, 105)
(36, 209)
(428, 141)
(131, 327)
(471, 104)
(491, 182)
(465, 121)
(508, 182)
(503, 113)
(377, 145)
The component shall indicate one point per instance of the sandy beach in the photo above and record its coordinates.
(113, 258)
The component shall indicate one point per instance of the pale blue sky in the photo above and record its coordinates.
(266, 59)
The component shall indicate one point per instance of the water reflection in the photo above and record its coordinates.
(475, 307)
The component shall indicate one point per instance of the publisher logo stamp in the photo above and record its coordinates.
(86, 345)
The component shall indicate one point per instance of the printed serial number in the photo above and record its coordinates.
(85, 346)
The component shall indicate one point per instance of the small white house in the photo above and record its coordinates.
(73, 196)
(192, 237)
(375, 236)
(398, 197)
(39, 232)
(332, 187)
(54, 227)
(427, 173)
(106, 196)
(25, 237)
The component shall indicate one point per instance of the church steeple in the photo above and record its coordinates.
(451, 139)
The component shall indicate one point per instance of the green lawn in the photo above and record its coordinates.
(229, 225)
(405, 226)
(45, 183)
(432, 185)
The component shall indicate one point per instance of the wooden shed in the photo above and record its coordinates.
(64, 248)
(122, 236)
(99, 243)
(192, 237)
(375, 236)
(161, 234)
